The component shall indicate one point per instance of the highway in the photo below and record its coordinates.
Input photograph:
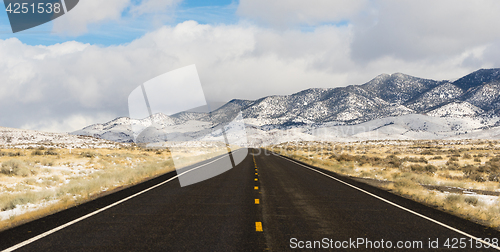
(266, 203)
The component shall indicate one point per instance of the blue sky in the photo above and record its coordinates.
(129, 27)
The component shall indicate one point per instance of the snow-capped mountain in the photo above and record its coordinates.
(470, 103)
(456, 109)
(478, 78)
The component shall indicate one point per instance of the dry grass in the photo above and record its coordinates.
(15, 167)
(407, 166)
(55, 179)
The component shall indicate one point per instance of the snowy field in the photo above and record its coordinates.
(42, 173)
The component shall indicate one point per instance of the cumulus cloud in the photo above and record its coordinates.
(407, 30)
(95, 12)
(284, 13)
(152, 6)
(233, 61)
(74, 121)
(417, 30)
(89, 12)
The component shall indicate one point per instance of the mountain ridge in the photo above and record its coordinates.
(475, 96)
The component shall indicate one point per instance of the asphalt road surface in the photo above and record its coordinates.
(265, 203)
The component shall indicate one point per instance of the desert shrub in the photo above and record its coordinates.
(483, 168)
(436, 158)
(495, 177)
(490, 167)
(452, 165)
(374, 161)
(345, 158)
(453, 198)
(416, 160)
(11, 154)
(88, 154)
(471, 200)
(37, 153)
(405, 183)
(426, 168)
(416, 168)
(427, 152)
(477, 160)
(393, 161)
(452, 158)
(476, 176)
(15, 154)
(467, 156)
(51, 152)
(42, 153)
(430, 168)
(469, 169)
(15, 167)
(46, 163)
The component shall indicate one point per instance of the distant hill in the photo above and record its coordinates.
(472, 100)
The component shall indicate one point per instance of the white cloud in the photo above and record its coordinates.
(153, 6)
(89, 12)
(425, 29)
(283, 13)
(66, 124)
(95, 12)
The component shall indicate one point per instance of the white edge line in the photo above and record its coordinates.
(398, 206)
(40, 236)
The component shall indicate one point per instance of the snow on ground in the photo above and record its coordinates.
(483, 200)
(456, 109)
(21, 209)
(406, 127)
(19, 138)
(52, 171)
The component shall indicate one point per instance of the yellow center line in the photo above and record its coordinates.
(258, 226)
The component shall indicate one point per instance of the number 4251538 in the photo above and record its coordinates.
(469, 243)
(23, 8)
